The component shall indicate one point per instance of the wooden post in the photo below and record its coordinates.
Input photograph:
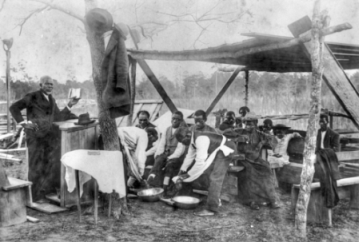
(95, 210)
(223, 90)
(78, 191)
(151, 76)
(7, 45)
(313, 122)
(133, 90)
(246, 87)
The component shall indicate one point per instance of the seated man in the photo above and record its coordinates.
(279, 154)
(144, 121)
(326, 138)
(211, 153)
(168, 156)
(134, 141)
(229, 121)
(268, 126)
(239, 123)
(242, 113)
(327, 163)
(200, 118)
(255, 184)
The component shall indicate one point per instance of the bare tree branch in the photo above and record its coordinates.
(61, 9)
(2, 5)
(200, 34)
(29, 16)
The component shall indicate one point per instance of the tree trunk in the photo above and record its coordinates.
(313, 121)
(107, 125)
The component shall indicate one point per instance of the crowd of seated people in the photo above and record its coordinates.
(199, 156)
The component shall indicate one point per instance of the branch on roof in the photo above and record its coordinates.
(213, 53)
(305, 37)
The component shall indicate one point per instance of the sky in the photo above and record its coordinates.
(53, 43)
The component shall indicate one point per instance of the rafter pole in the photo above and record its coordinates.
(224, 89)
(246, 94)
(151, 76)
(207, 54)
(133, 90)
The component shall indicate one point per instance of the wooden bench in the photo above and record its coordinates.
(13, 200)
(317, 211)
(348, 187)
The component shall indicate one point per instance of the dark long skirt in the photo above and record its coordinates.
(255, 183)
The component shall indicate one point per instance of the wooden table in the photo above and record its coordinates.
(75, 137)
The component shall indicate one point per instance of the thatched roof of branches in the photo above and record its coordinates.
(259, 53)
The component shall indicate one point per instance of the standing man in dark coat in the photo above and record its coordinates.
(326, 138)
(42, 135)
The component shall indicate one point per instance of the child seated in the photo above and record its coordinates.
(279, 154)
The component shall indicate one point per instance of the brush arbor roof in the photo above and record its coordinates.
(248, 53)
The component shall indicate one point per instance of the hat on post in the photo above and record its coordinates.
(99, 20)
(84, 119)
(281, 126)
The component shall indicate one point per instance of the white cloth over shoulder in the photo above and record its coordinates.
(199, 167)
(106, 167)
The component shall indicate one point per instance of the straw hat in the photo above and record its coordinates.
(99, 20)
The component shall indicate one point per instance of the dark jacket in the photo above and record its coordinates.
(327, 170)
(40, 111)
(331, 140)
(114, 73)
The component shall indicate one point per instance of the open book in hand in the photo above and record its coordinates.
(75, 93)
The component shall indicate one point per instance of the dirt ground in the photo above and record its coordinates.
(160, 222)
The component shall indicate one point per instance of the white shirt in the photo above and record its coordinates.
(136, 140)
(282, 145)
(153, 149)
(180, 149)
(197, 151)
(106, 37)
(322, 139)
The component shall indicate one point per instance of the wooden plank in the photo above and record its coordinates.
(223, 90)
(18, 167)
(47, 208)
(334, 76)
(4, 181)
(152, 110)
(348, 155)
(12, 207)
(151, 76)
(157, 110)
(32, 219)
(15, 184)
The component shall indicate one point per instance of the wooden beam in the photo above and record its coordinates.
(223, 90)
(151, 76)
(333, 75)
(214, 53)
(246, 87)
(133, 90)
